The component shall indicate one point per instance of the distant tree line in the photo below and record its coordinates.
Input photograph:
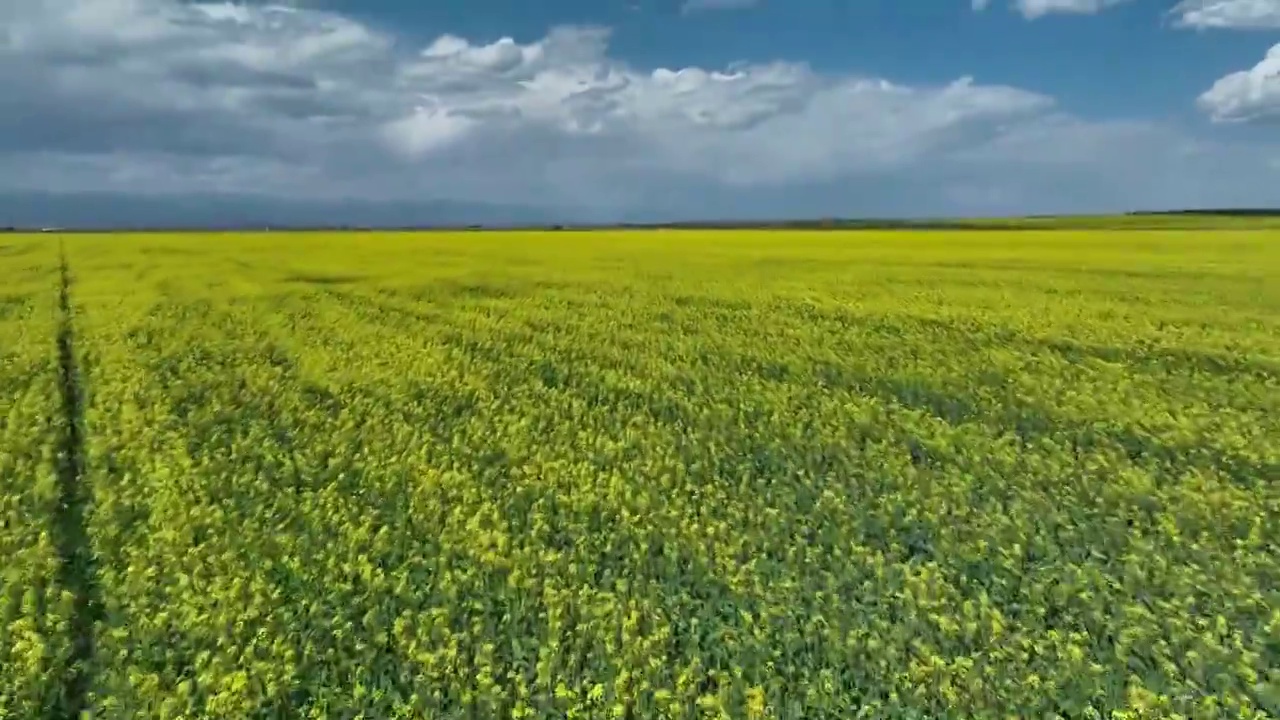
(1228, 212)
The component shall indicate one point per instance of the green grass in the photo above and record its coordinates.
(675, 474)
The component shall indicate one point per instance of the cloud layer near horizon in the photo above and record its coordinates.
(165, 96)
(1198, 14)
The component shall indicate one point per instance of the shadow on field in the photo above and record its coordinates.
(1166, 359)
(962, 334)
(1030, 422)
(1006, 415)
(16, 306)
(1026, 421)
(170, 251)
(77, 568)
(1180, 274)
(325, 280)
(449, 290)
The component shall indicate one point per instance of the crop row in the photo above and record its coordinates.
(36, 608)
(630, 481)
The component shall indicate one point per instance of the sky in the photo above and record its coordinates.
(644, 109)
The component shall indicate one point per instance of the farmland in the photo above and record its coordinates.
(37, 604)
(641, 474)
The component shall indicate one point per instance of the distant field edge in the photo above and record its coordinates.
(1153, 220)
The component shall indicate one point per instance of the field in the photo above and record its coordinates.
(641, 475)
(36, 605)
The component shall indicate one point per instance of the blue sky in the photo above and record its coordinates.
(608, 109)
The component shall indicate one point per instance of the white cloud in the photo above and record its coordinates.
(169, 96)
(1247, 95)
(1032, 9)
(1228, 14)
(1199, 14)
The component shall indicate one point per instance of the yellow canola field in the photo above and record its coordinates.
(682, 474)
(37, 659)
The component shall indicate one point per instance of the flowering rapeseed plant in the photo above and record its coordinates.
(682, 475)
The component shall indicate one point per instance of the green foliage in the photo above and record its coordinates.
(35, 610)
(679, 475)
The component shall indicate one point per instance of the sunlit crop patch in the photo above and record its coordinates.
(661, 475)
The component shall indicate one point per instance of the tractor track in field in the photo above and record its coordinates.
(76, 569)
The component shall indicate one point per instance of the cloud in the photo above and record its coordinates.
(1251, 95)
(1032, 9)
(1198, 14)
(1228, 14)
(159, 96)
(1246, 96)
